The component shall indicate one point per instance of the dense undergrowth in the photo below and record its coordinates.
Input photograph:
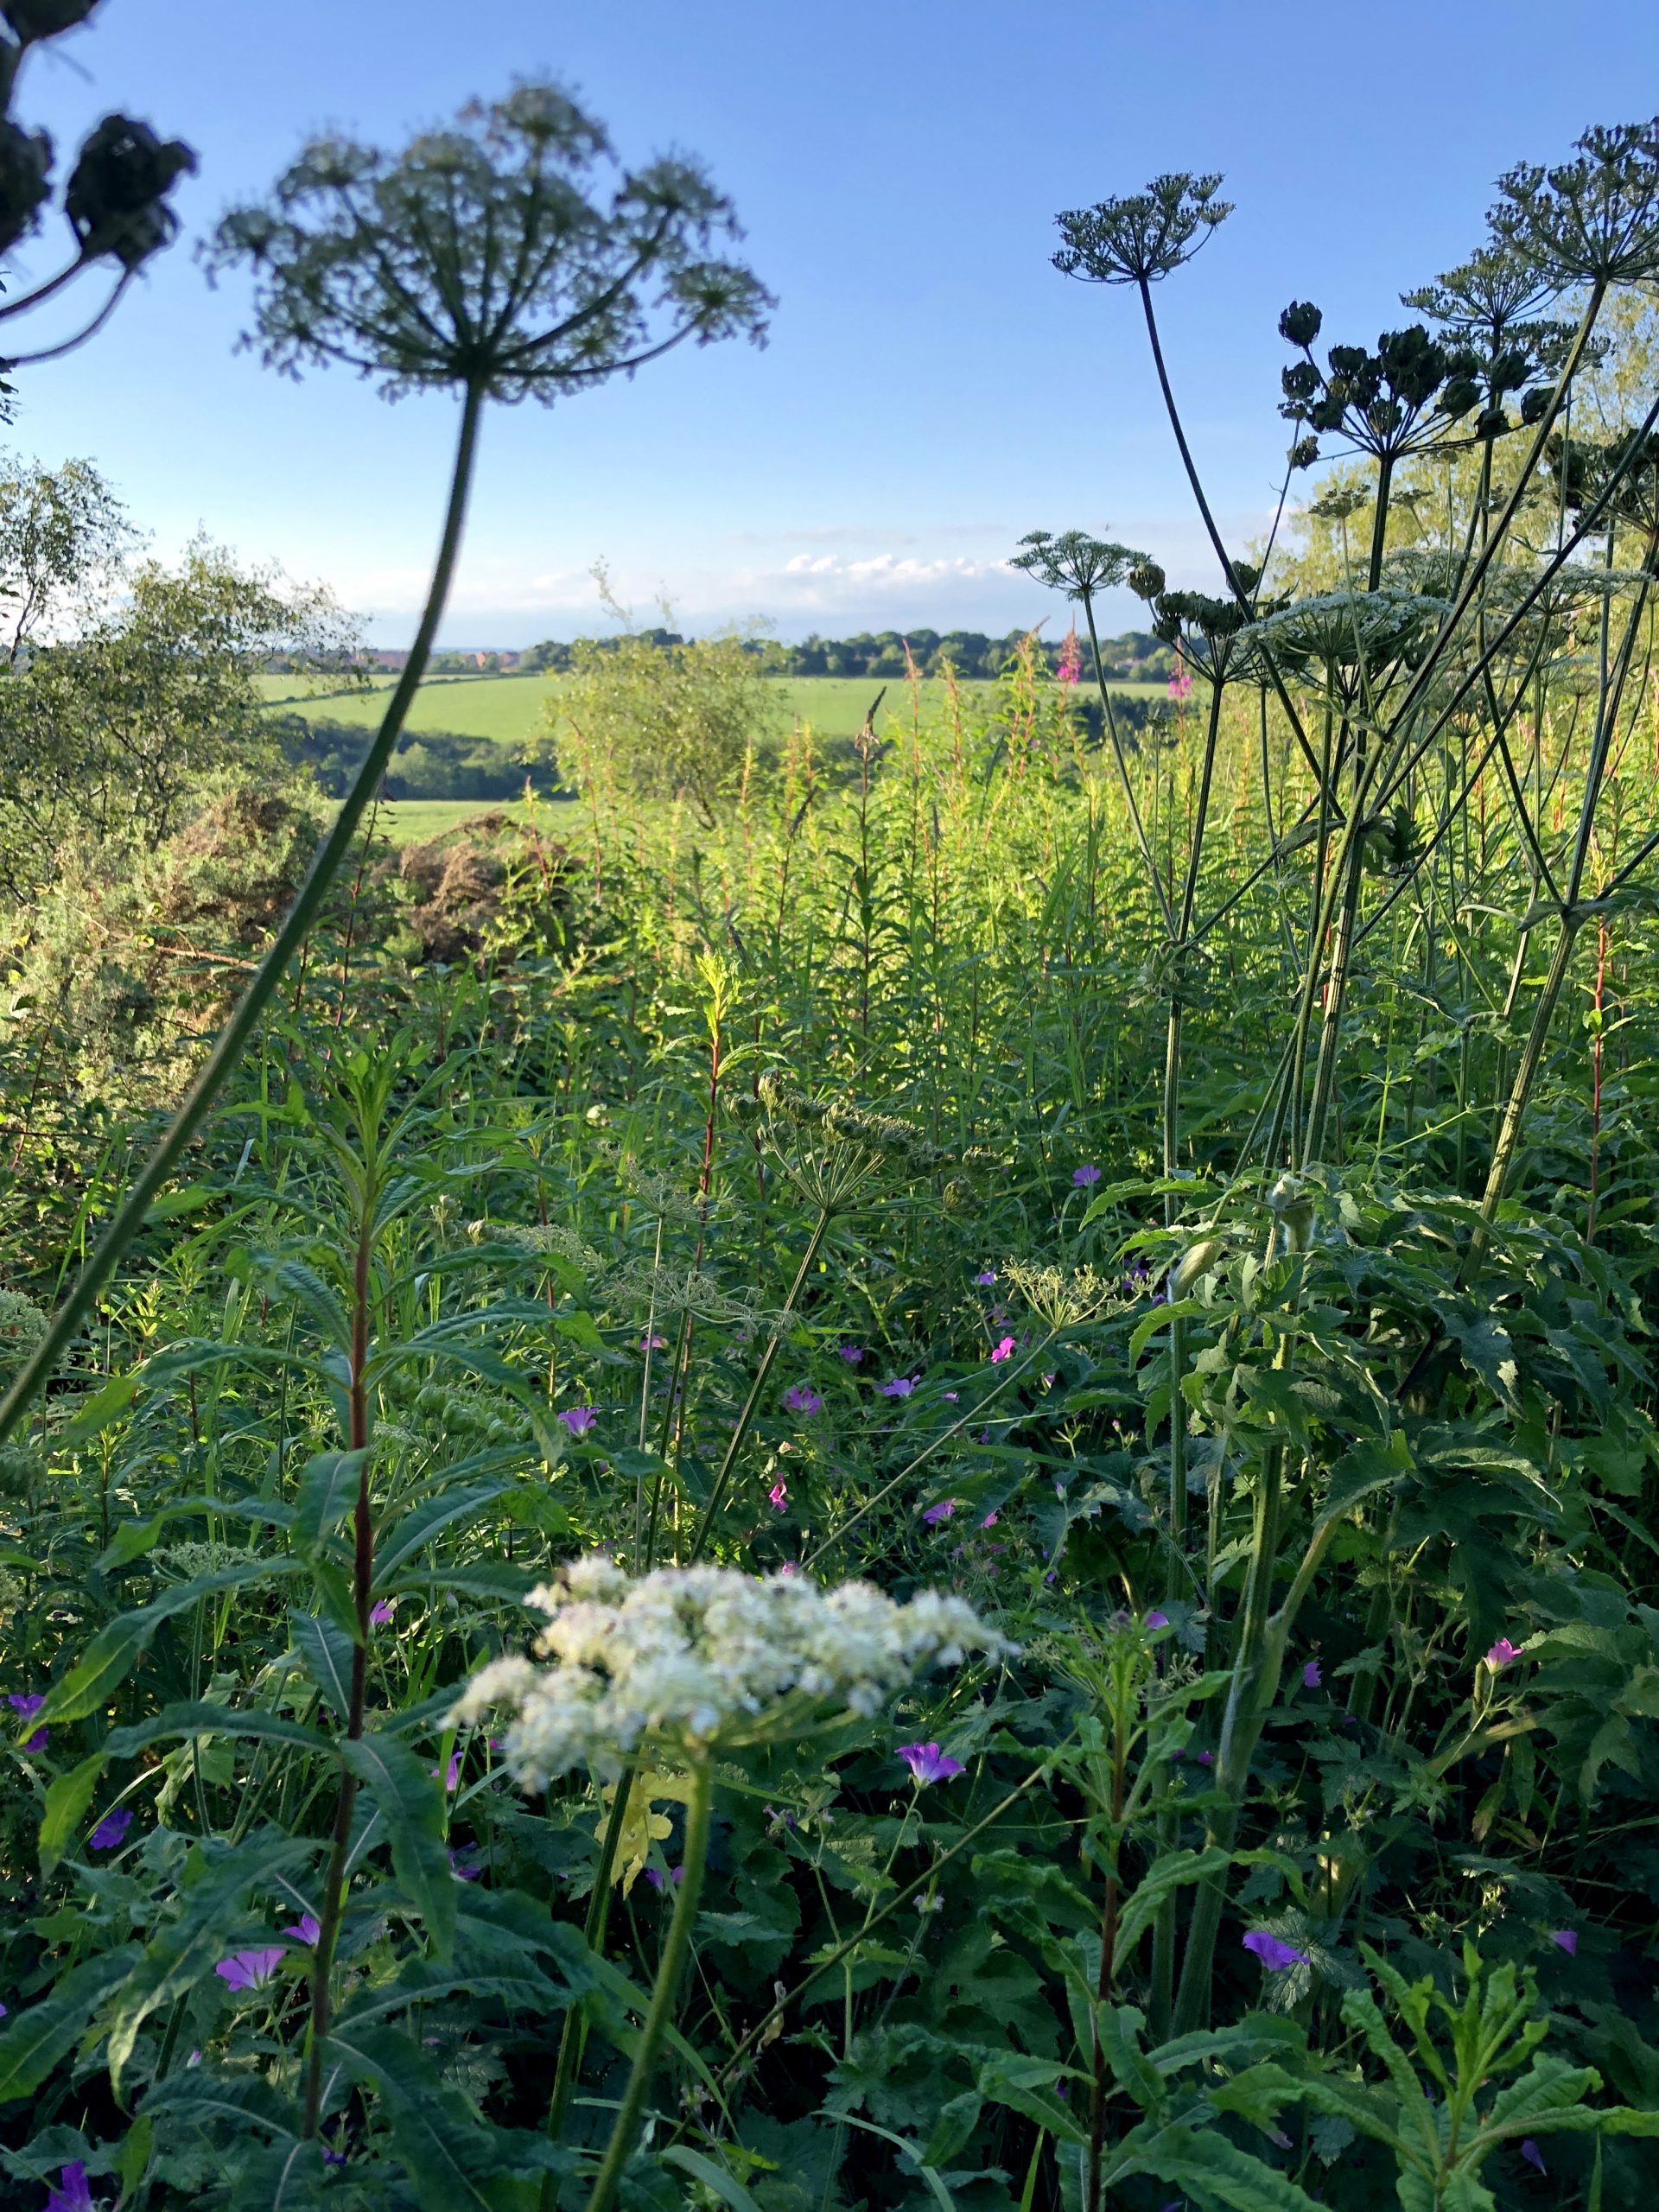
(1185, 1194)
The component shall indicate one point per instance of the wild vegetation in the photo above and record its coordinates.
(930, 1481)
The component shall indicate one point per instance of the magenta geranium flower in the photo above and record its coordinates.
(1567, 1939)
(778, 1495)
(1311, 1677)
(111, 1829)
(941, 1511)
(252, 1969)
(900, 1387)
(1275, 1956)
(989, 1521)
(985, 1277)
(381, 1611)
(1155, 1619)
(71, 2193)
(452, 1778)
(305, 1928)
(1004, 1350)
(27, 1704)
(927, 1763)
(852, 1354)
(1500, 1653)
(1083, 1177)
(803, 1399)
(579, 1418)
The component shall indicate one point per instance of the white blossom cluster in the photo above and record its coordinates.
(685, 1655)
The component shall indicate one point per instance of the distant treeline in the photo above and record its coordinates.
(1134, 657)
(434, 764)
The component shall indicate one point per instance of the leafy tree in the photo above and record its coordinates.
(668, 720)
(108, 733)
(62, 533)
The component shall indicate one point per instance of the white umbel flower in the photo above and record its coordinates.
(686, 1656)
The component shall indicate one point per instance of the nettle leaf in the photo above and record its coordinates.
(112, 1652)
(409, 1797)
(34, 2043)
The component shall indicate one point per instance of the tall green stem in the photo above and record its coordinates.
(238, 1030)
(664, 1996)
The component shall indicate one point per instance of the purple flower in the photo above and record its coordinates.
(1274, 1955)
(1567, 1939)
(985, 1277)
(803, 1399)
(452, 1778)
(579, 1418)
(653, 1344)
(852, 1354)
(1181, 685)
(305, 1928)
(951, 1396)
(790, 1566)
(1311, 1675)
(1155, 1619)
(1533, 2156)
(1004, 1350)
(941, 1511)
(112, 1829)
(381, 1611)
(778, 1495)
(333, 2158)
(1500, 1653)
(1083, 1177)
(927, 1763)
(653, 1875)
(72, 2194)
(900, 1387)
(28, 1703)
(466, 1865)
(989, 1521)
(1204, 1758)
(251, 1969)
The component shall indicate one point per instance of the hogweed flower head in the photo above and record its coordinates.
(1074, 563)
(688, 1660)
(1142, 236)
(491, 256)
(1592, 219)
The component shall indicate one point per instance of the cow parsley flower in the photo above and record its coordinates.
(688, 1658)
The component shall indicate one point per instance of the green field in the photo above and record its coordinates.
(509, 708)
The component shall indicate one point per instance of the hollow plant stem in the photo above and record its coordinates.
(238, 1030)
(625, 2131)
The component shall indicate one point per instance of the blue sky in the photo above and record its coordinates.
(932, 389)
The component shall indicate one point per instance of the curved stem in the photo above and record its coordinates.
(238, 1030)
(620, 2148)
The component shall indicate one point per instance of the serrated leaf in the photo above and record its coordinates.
(200, 1717)
(1208, 2166)
(443, 2150)
(409, 1797)
(1026, 2085)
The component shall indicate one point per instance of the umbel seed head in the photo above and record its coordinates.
(1300, 323)
(1143, 236)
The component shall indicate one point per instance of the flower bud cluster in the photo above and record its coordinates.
(686, 1656)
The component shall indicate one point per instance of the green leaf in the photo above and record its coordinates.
(444, 2151)
(412, 1800)
(35, 2042)
(328, 1488)
(187, 1947)
(111, 1652)
(66, 1801)
(1204, 2163)
(1026, 2085)
(406, 1537)
(327, 1651)
(1170, 1871)
(956, 2121)
(492, 1581)
(724, 2185)
(200, 1717)
(317, 1300)
(96, 1412)
(942, 2196)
